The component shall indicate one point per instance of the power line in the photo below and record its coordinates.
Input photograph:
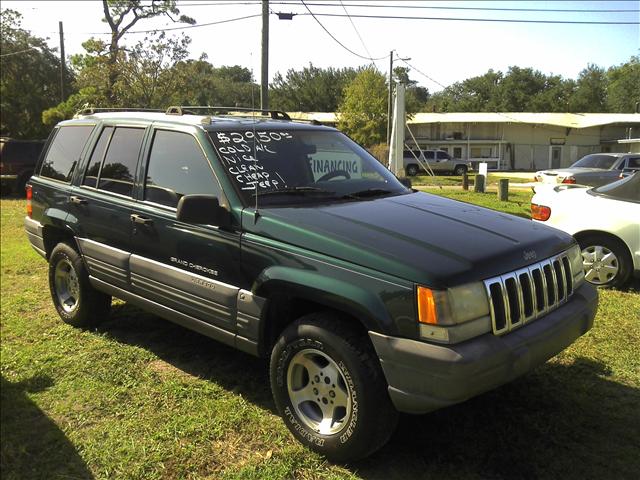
(394, 5)
(420, 72)
(338, 41)
(494, 20)
(356, 30)
(18, 52)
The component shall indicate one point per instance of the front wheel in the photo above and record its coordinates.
(329, 388)
(605, 261)
(412, 170)
(460, 170)
(76, 301)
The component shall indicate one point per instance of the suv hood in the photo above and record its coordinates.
(419, 237)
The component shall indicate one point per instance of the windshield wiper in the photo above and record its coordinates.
(369, 192)
(294, 191)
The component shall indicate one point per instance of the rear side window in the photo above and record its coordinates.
(64, 152)
(119, 166)
(177, 167)
(93, 169)
(633, 163)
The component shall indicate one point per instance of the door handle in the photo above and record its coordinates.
(135, 218)
(77, 200)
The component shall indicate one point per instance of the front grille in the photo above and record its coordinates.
(520, 297)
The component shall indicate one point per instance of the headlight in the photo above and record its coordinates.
(454, 314)
(575, 258)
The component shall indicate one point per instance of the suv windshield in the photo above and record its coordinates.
(596, 161)
(285, 167)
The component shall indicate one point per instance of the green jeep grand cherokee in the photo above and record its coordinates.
(289, 241)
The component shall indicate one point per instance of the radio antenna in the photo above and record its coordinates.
(255, 153)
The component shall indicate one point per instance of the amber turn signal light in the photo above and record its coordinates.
(427, 306)
(540, 212)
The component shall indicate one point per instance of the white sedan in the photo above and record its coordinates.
(604, 220)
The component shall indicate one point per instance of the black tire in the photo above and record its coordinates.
(460, 170)
(412, 170)
(76, 301)
(591, 244)
(369, 418)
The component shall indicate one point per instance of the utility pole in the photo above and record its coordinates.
(389, 107)
(264, 77)
(61, 61)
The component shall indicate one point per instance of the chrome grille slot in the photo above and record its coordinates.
(516, 298)
(568, 277)
(550, 280)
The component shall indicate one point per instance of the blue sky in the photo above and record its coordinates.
(446, 51)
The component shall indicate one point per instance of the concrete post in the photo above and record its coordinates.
(503, 190)
(479, 184)
(465, 181)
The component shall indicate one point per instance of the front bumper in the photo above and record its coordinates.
(423, 377)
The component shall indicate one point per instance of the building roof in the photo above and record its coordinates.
(569, 120)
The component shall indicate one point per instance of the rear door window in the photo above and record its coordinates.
(177, 167)
(64, 153)
(119, 166)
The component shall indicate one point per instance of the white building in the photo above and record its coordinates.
(520, 141)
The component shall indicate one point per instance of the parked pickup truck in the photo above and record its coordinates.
(289, 241)
(437, 161)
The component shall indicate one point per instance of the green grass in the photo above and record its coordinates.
(143, 398)
(456, 181)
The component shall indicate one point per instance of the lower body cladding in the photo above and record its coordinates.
(423, 377)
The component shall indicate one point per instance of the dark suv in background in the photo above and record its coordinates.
(18, 158)
(289, 241)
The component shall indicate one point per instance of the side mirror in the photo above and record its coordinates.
(203, 210)
(406, 182)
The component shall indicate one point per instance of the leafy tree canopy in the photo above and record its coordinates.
(29, 79)
(363, 111)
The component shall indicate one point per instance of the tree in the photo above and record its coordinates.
(415, 97)
(590, 94)
(121, 16)
(311, 89)
(623, 91)
(29, 79)
(363, 111)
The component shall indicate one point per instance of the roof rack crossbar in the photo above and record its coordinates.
(92, 110)
(217, 110)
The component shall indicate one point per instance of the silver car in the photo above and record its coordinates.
(439, 161)
(593, 170)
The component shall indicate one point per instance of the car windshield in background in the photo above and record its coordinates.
(285, 167)
(596, 161)
(626, 189)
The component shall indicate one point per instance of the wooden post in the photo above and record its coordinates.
(478, 185)
(264, 68)
(465, 181)
(503, 190)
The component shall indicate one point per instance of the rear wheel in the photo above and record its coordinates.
(76, 301)
(605, 261)
(329, 388)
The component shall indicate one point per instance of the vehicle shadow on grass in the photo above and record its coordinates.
(563, 420)
(192, 353)
(32, 445)
(560, 421)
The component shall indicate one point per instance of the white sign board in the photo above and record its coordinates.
(482, 168)
(323, 163)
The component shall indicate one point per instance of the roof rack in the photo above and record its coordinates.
(92, 110)
(215, 110)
